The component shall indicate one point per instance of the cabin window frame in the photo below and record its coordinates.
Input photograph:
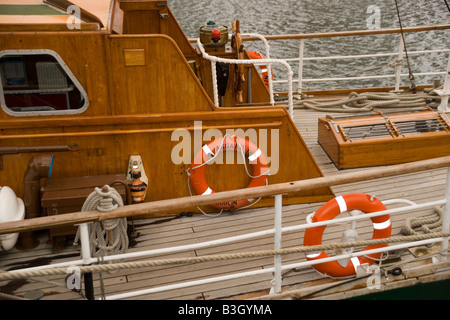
(67, 71)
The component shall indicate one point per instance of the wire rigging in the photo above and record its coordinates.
(411, 76)
(448, 7)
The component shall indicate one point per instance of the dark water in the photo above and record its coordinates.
(314, 16)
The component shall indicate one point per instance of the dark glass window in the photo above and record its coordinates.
(39, 84)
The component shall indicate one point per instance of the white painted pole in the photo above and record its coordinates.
(86, 257)
(277, 242)
(445, 93)
(300, 66)
(446, 220)
(398, 67)
(85, 247)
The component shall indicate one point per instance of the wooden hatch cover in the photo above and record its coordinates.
(383, 139)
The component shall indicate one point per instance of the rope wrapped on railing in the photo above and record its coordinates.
(214, 59)
(229, 256)
(108, 236)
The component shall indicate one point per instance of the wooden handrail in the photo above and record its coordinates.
(350, 33)
(344, 33)
(161, 206)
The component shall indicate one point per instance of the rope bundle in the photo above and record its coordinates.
(108, 236)
(425, 224)
(366, 102)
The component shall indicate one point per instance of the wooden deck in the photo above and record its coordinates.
(166, 232)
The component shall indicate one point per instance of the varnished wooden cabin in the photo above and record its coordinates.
(118, 82)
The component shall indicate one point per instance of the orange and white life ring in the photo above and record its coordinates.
(255, 156)
(265, 73)
(352, 201)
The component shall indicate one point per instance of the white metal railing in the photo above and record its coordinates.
(277, 269)
(396, 65)
(277, 231)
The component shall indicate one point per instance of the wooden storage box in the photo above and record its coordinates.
(384, 139)
(66, 195)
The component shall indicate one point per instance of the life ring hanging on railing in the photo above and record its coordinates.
(265, 73)
(256, 157)
(352, 201)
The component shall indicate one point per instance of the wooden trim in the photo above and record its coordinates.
(157, 207)
(219, 114)
(351, 33)
(46, 27)
(135, 131)
(62, 33)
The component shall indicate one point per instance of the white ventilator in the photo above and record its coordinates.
(11, 209)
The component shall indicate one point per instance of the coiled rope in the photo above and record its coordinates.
(108, 236)
(425, 224)
(366, 102)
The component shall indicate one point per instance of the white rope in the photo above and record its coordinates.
(210, 159)
(214, 80)
(254, 62)
(108, 236)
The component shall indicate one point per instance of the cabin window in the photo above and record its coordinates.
(38, 82)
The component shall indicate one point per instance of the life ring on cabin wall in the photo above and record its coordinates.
(352, 201)
(255, 156)
(265, 73)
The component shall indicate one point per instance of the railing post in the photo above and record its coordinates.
(86, 257)
(300, 66)
(446, 220)
(446, 91)
(398, 66)
(277, 243)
